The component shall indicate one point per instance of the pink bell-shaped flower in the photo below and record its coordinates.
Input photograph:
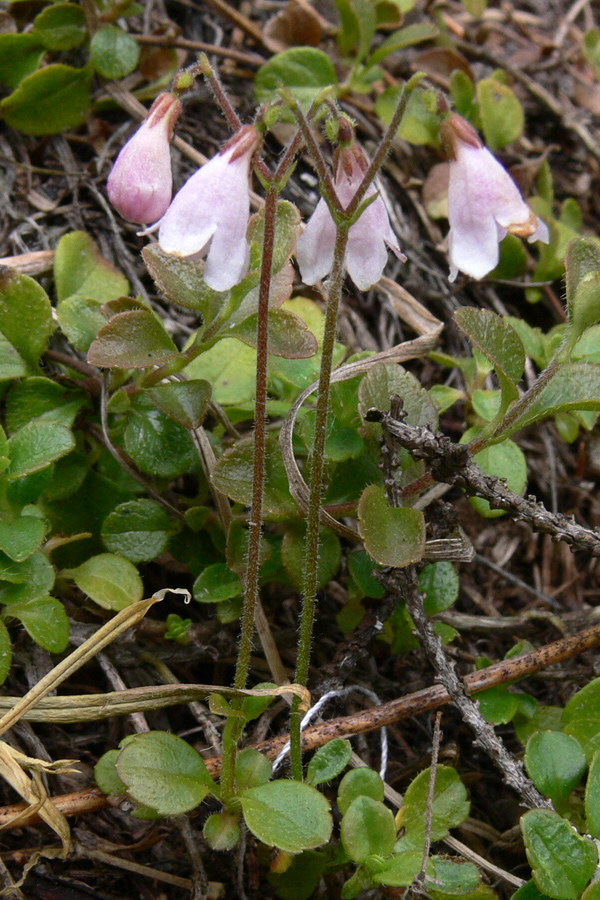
(368, 239)
(484, 203)
(140, 184)
(208, 217)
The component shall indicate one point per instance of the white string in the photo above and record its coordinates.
(314, 711)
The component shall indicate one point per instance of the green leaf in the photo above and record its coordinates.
(360, 782)
(222, 831)
(401, 870)
(504, 460)
(288, 335)
(287, 231)
(450, 806)
(25, 315)
(164, 772)
(32, 578)
(581, 718)
(5, 652)
(329, 761)
(39, 397)
(361, 568)
(502, 116)
(581, 260)
(53, 99)
(114, 53)
(381, 382)
(290, 815)
(252, 768)
(555, 763)
(300, 881)
(80, 319)
(462, 91)
(498, 705)
(233, 476)
(293, 555)
(404, 37)
(529, 891)
(36, 445)
(591, 48)
(562, 862)
(545, 718)
(458, 877)
(132, 340)
(392, 536)
(80, 268)
(439, 582)
(45, 621)
(181, 281)
(20, 55)
(359, 22)
(499, 342)
(184, 401)
(230, 367)
(421, 121)
(21, 538)
(217, 583)
(60, 26)
(253, 707)
(138, 530)
(109, 580)
(592, 796)
(486, 403)
(12, 364)
(305, 71)
(158, 444)
(106, 775)
(576, 386)
(368, 829)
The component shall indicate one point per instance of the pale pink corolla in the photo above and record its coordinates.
(140, 184)
(484, 203)
(208, 217)
(368, 239)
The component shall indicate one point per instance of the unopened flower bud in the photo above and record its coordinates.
(368, 239)
(484, 203)
(140, 184)
(208, 217)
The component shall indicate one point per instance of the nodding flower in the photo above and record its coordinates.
(484, 203)
(140, 185)
(208, 217)
(368, 238)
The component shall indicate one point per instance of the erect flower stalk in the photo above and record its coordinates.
(484, 203)
(334, 293)
(140, 184)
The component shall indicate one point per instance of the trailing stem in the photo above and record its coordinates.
(316, 487)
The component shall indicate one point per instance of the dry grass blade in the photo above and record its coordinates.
(105, 635)
(33, 792)
(92, 708)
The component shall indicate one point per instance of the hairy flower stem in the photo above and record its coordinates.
(233, 729)
(334, 294)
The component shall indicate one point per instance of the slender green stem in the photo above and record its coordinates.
(316, 487)
(234, 725)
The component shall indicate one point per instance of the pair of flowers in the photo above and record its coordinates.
(208, 217)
